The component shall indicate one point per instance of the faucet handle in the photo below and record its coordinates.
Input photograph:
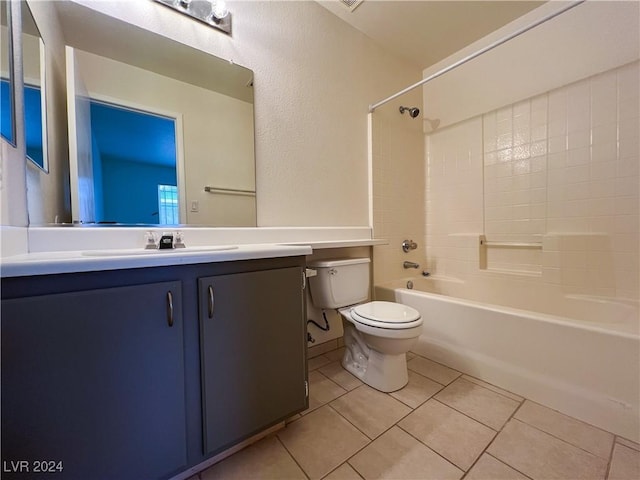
(179, 240)
(409, 245)
(150, 240)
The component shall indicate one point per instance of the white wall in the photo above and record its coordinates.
(398, 187)
(49, 199)
(314, 79)
(590, 38)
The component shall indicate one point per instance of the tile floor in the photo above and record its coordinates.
(442, 425)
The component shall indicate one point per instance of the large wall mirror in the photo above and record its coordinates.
(33, 65)
(159, 132)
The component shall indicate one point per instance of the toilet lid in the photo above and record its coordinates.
(394, 315)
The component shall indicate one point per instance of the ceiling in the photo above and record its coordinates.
(425, 31)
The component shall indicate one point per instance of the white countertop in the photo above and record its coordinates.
(51, 250)
(46, 263)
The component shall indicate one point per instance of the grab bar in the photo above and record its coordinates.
(230, 191)
(511, 244)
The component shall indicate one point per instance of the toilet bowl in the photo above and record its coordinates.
(377, 334)
(377, 337)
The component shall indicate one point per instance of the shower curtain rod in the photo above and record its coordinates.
(491, 46)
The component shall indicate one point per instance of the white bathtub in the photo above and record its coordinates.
(585, 364)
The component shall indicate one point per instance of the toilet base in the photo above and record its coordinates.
(384, 372)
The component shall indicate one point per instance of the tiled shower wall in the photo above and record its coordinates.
(559, 170)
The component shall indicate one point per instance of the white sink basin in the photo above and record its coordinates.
(141, 251)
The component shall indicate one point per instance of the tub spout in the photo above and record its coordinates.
(410, 265)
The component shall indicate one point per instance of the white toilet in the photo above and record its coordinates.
(377, 334)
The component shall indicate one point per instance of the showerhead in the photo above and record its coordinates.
(413, 111)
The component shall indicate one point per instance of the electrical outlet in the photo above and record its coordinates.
(195, 206)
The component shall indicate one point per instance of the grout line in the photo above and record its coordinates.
(468, 416)
(292, 457)
(434, 451)
(343, 463)
(307, 411)
(442, 365)
(634, 445)
(561, 439)
(491, 384)
(486, 448)
(360, 430)
(505, 463)
(610, 461)
(572, 418)
(511, 417)
(442, 387)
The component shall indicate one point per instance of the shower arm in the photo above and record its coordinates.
(464, 60)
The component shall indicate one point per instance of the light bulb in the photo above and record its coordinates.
(219, 10)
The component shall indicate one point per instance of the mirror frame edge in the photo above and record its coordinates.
(13, 141)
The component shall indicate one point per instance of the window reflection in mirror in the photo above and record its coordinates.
(7, 110)
(34, 90)
(134, 166)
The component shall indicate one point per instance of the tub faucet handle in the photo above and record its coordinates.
(409, 245)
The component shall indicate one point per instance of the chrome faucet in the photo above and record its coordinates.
(410, 265)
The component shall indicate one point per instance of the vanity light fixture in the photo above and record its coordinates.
(212, 12)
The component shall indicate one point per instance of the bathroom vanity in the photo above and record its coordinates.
(130, 372)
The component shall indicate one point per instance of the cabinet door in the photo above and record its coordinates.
(252, 351)
(95, 380)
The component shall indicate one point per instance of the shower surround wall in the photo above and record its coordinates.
(559, 168)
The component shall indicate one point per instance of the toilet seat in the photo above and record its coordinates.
(387, 315)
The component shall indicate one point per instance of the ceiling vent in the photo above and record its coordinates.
(351, 4)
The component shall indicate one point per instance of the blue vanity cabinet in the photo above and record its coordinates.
(93, 382)
(253, 353)
(98, 375)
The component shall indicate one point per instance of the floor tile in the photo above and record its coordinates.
(542, 456)
(479, 403)
(264, 459)
(433, 370)
(321, 441)
(410, 355)
(317, 362)
(343, 472)
(339, 375)
(493, 388)
(573, 431)
(628, 443)
(321, 391)
(335, 355)
(625, 464)
(397, 455)
(488, 468)
(371, 411)
(417, 391)
(453, 435)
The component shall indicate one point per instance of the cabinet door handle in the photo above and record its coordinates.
(211, 301)
(170, 309)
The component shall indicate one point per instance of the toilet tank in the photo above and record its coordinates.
(339, 282)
